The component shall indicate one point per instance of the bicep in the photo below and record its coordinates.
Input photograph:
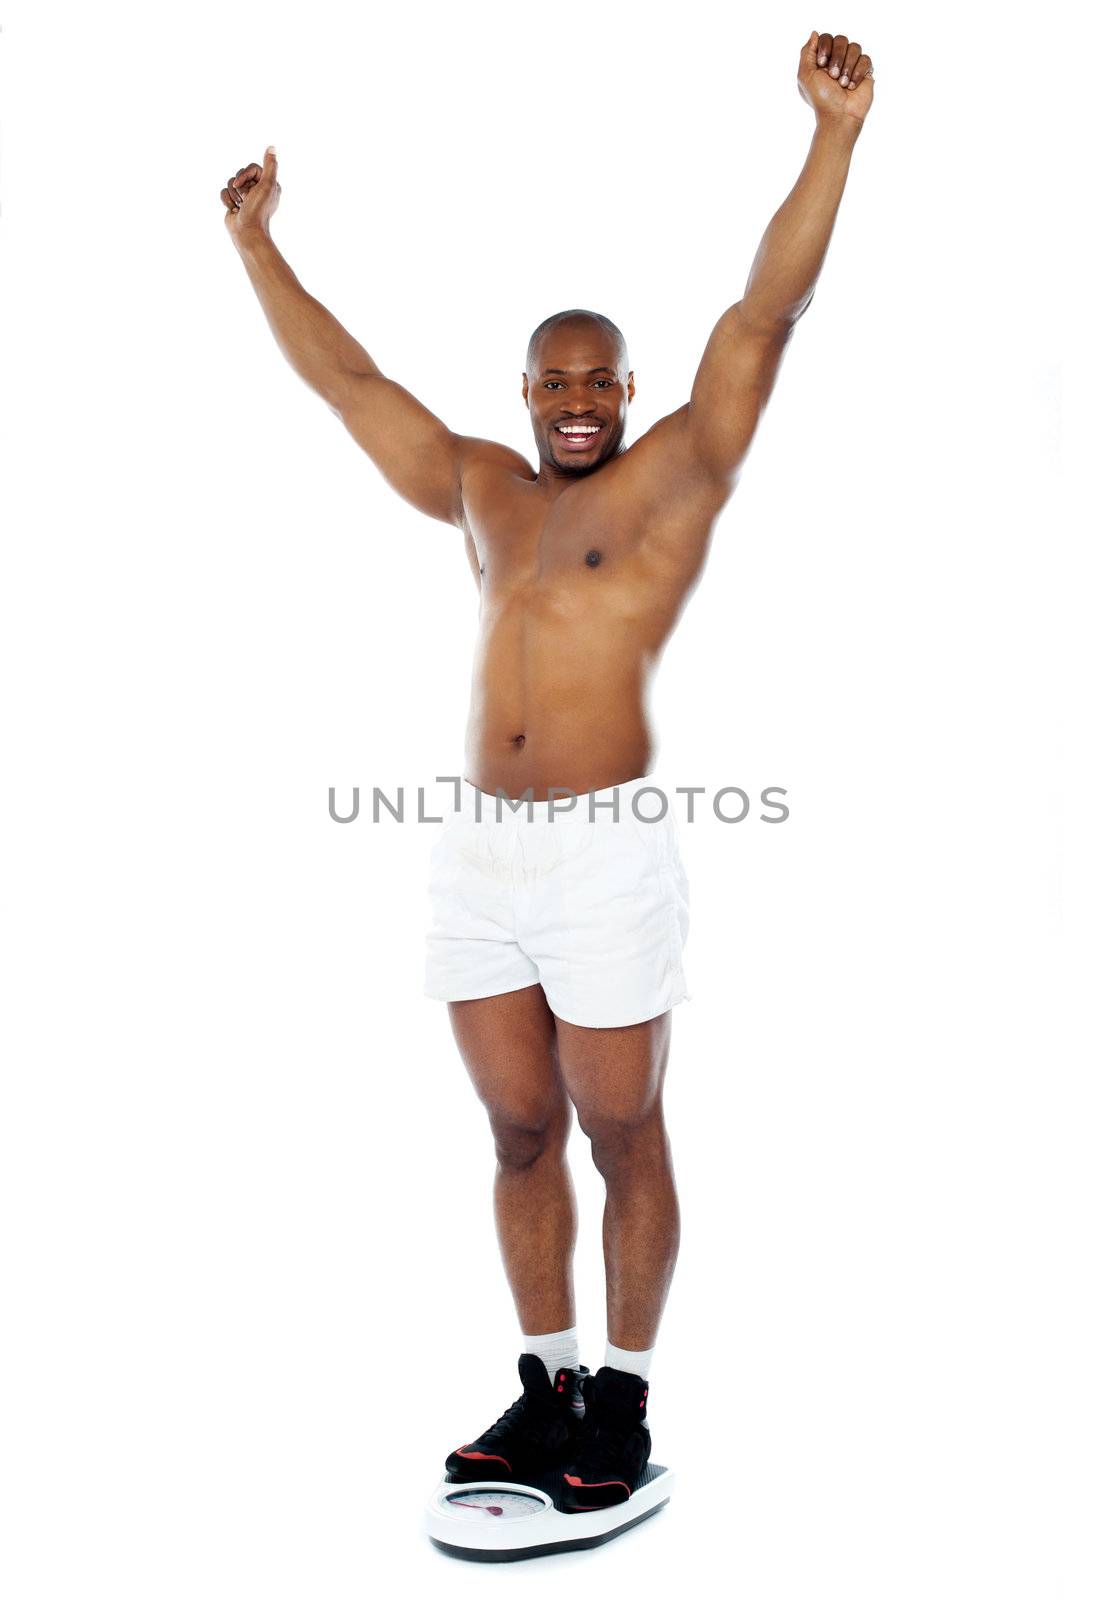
(733, 384)
(414, 451)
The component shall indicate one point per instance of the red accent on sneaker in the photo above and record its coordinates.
(607, 1483)
(477, 1455)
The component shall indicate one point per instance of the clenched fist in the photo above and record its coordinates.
(252, 195)
(835, 77)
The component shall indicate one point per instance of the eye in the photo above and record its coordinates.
(551, 383)
(607, 381)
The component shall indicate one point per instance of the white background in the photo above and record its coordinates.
(253, 1290)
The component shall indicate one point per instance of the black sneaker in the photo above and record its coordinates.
(540, 1430)
(617, 1442)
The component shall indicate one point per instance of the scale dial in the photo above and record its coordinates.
(493, 1504)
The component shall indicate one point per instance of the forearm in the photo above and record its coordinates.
(792, 250)
(314, 342)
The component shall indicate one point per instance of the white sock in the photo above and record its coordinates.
(637, 1361)
(554, 1349)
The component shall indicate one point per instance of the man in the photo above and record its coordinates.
(557, 940)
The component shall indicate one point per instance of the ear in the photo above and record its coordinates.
(631, 386)
(525, 388)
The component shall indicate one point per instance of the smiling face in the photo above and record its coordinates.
(577, 391)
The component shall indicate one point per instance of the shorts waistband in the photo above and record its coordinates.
(635, 799)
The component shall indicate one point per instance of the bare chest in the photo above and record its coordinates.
(614, 554)
(579, 555)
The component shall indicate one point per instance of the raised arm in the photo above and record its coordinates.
(416, 453)
(741, 360)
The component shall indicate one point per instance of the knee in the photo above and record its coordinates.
(620, 1141)
(520, 1139)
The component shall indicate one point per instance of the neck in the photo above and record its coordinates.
(552, 478)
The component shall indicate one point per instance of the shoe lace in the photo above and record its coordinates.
(526, 1418)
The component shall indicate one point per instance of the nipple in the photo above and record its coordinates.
(593, 559)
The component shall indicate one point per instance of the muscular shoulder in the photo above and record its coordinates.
(664, 465)
(665, 447)
(485, 455)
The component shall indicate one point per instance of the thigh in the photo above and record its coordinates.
(510, 1048)
(614, 1074)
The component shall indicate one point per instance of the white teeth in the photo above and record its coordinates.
(579, 430)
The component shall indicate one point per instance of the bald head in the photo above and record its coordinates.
(584, 321)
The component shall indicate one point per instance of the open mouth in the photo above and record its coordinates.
(578, 435)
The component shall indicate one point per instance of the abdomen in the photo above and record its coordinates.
(558, 698)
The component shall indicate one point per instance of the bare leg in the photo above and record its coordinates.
(615, 1077)
(510, 1048)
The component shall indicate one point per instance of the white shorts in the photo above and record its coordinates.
(596, 911)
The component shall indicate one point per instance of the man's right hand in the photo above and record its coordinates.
(251, 196)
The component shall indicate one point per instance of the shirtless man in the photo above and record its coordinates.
(557, 942)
